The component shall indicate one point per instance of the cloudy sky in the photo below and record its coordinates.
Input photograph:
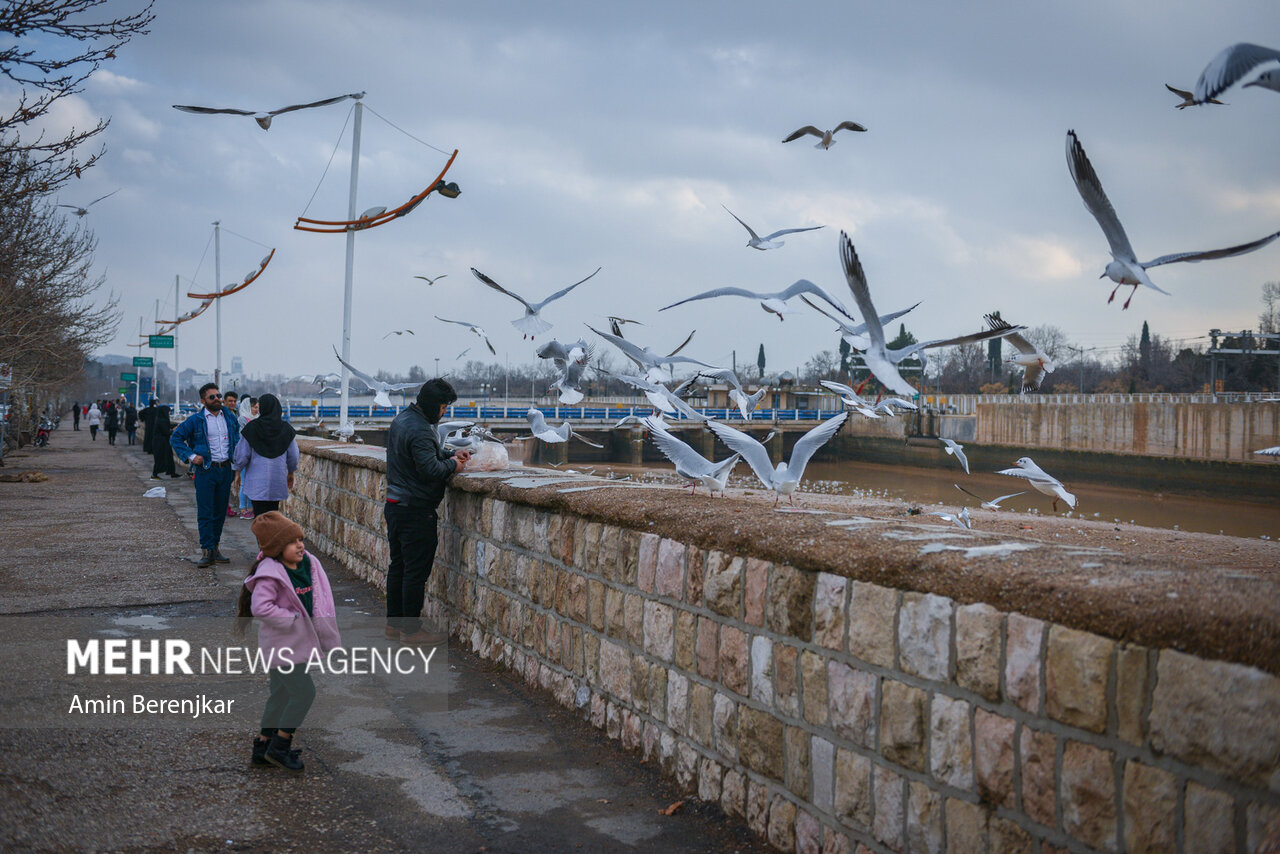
(608, 134)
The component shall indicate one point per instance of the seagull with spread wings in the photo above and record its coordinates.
(532, 323)
(768, 241)
(993, 504)
(853, 333)
(690, 464)
(954, 448)
(961, 519)
(659, 395)
(1041, 481)
(774, 303)
(746, 403)
(825, 139)
(473, 327)
(431, 281)
(786, 477)
(264, 118)
(541, 430)
(657, 368)
(397, 332)
(1125, 268)
(1229, 67)
(1037, 364)
(571, 362)
(381, 391)
(81, 211)
(850, 398)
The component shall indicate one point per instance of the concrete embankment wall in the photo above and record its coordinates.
(885, 698)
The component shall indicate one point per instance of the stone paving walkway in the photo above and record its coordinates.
(502, 770)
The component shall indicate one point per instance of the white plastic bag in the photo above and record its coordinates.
(490, 456)
(154, 492)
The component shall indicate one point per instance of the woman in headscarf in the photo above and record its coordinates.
(266, 457)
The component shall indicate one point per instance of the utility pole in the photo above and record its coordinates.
(177, 375)
(217, 303)
(345, 427)
(1080, 351)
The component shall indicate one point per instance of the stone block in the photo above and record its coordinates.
(595, 605)
(710, 780)
(782, 825)
(924, 820)
(722, 586)
(677, 701)
(1223, 716)
(1005, 837)
(708, 648)
(628, 544)
(1150, 804)
(760, 744)
(640, 682)
(1089, 795)
(1022, 681)
(813, 680)
(808, 833)
(762, 670)
(786, 679)
(686, 640)
(852, 703)
(890, 819)
(1077, 666)
(924, 635)
(757, 808)
(701, 711)
(822, 758)
(872, 612)
(615, 621)
(902, 724)
(1039, 793)
(577, 598)
(835, 842)
(829, 610)
(659, 630)
(725, 725)
(790, 602)
(647, 562)
(1209, 825)
(853, 805)
(951, 749)
(966, 826)
(1262, 829)
(734, 660)
(686, 767)
(656, 690)
(633, 608)
(993, 757)
(733, 794)
(1131, 690)
(669, 580)
(696, 565)
(649, 748)
(756, 588)
(632, 730)
(797, 776)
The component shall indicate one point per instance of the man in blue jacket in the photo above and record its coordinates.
(207, 441)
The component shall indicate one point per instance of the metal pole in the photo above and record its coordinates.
(155, 369)
(344, 425)
(217, 303)
(177, 375)
(138, 383)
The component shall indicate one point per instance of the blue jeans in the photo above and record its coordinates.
(213, 491)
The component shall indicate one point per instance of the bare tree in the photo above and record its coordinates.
(1269, 320)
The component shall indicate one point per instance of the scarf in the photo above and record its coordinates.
(268, 434)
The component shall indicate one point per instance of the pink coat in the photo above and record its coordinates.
(286, 630)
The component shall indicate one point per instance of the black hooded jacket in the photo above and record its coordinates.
(417, 465)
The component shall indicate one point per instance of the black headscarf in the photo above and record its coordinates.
(268, 434)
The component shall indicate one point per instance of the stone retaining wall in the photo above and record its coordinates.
(834, 714)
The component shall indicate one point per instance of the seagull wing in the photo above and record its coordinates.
(783, 231)
(324, 103)
(556, 351)
(848, 126)
(399, 386)
(500, 289)
(752, 451)
(683, 456)
(683, 345)
(807, 130)
(1033, 377)
(579, 437)
(631, 351)
(808, 444)
(972, 338)
(887, 372)
(1211, 254)
(839, 388)
(100, 198)
(680, 406)
(804, 286)
(1019, 343)
(725, 375)
(562, 292)
(1229, 66)
(1096, 200)
(861, 292)
(369, 381)
(720, 292)
(209, 111)
(749, 229)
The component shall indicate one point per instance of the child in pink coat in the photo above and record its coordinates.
(289, 593)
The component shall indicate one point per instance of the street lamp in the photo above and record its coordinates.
(437, 366)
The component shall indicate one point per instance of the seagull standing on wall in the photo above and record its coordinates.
(786, 477)
(689, 464)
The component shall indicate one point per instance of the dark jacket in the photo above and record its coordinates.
(191, 437)
(130, 418)
(112, 420)
(417, 466)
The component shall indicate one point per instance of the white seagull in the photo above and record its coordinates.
(1041, 481)
(264, 118)
(689, 464)
(81, 211)
(1125, 268)
(746, 403)
(952, 447)
(532, 323)
(993, 504)
(824, 136)
(961, 519)
(774, 303)
(541, 430)
(1270, 452)
(1233, 64)
(785, 478)
(473, 327)
(1188, 98)
(1037, 364)
(855, 334)
(889, 404)
(431, 281)
(571, 362)
(381, 391)
(768, 242)
(850, 398)
(397, 332)
(662, 398)
(656, 368)
(879, 359)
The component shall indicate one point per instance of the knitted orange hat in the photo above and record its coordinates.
(274, 531)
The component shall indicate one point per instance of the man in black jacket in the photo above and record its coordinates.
(418, 468)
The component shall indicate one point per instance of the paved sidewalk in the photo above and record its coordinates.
(502, 770)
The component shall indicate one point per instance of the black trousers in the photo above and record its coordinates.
(291, 697)
(413, 534)
(162, 458)
(260, 507)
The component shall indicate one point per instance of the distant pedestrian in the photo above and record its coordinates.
(144, 418)
(248, 410)
(207, 440)
(75, 416)
(418, 468)
(95, 420)
(111, 423)
(287, 590)
(266, 457)
(161, 451)
(131, 423)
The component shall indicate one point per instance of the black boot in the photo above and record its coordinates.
(260, 751)
(279, 754)
(206, 558)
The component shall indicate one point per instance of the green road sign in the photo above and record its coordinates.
(129, 376)
(143, 362)
(161, 342)
(124, 389)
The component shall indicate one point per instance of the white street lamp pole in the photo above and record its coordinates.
(137, 382)
(217, 307)
(177, 375)
(344, 424)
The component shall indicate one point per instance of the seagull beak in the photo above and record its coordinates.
(1103, 276)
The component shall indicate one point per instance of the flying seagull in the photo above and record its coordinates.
(1125, 268)
(824, 136)
(689, 464)
(855, 334)
(616, 324)
(746, 403)
(541, 430)
(571, 362)
(850, 398)
(882, 361)
(1188, 99)
(646, 359)
(81, 211)
(1230, 66)
(954, 447)
(532, 323)
(961, 519)
(264, 118)
(784, 479)
(768, 242)
(1037, 364)
(381, 390)
(1270, 452)
(463, 353)
(431, 281)
(659, 395)
(993, 504)
(397, 332)
(1041, 481)
(473, 327)
(774, 303)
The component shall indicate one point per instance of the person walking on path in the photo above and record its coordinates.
(131, 423)
(75, 416)
(161, 450)
(207, 440)
(144, 416)
(289, 592)
(266, 457)
(417, 470)
(95, 420)
(111, 423)
(248, 410)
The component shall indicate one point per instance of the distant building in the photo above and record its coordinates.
(237, 365)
